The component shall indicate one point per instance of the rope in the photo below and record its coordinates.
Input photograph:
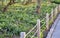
(34, 34)
(31, 30)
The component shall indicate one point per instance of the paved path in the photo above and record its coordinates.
(55, 29)
(56, 33)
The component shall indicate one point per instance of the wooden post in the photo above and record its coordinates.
(47, 21)
(22, 35)
(59, 7)
(52, 15)
(56, 11)
(38, 28)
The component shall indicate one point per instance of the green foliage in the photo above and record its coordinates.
(14, 22)
(55, 1)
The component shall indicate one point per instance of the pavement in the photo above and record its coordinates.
(56, 33)
(55, 29)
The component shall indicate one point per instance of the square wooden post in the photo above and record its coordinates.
(22, 35)
(47, 21)
(52, 15)
(59, 7)
(38, 28)
(56, 11)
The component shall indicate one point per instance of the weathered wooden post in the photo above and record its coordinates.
(38, 28)
(22, 35)
(56, 11)
(52, 15)
(47, 21)
(59, 7)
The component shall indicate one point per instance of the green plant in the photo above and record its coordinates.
(14, 22)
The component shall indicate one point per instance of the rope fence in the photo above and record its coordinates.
(49, 17)
(35, 32)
